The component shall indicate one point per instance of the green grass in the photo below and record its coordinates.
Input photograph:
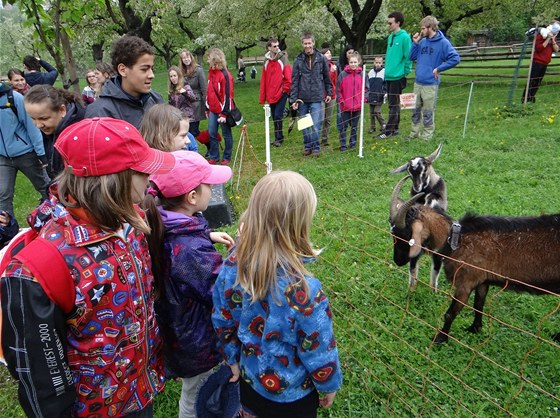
(506, 165)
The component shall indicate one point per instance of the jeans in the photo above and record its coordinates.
(214, 149)
(311, 135)
(394, 90)
(29, 165)
(349, 118)
(277, 112)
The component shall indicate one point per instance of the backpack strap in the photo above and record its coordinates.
(11, 102)
(47, 264)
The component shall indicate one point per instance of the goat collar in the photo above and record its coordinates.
(454, 236)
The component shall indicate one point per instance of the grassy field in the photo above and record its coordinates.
(505, 164)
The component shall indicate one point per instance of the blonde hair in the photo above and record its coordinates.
(275, 233)
(160, 125)
(174, 88)
(187, 70)
(430, 22)
(356, 54)
(217, 58)
(107, 199)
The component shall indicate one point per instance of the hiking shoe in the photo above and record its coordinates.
(316, 154)
(324, 143)
(371, 131)
(277, 143)
(306, 152)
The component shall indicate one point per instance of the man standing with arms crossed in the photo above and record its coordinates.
(397, 67)
(311, 85)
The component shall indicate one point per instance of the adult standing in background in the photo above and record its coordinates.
(33, 74)
(397, 67)
(545, 46)
(311, 85)
(328, 108)
(128, 95)
(433, 54)
(219, 103)
(276, 82)
(103, 71)
(194, 77)
(21, 149)
(17, 80)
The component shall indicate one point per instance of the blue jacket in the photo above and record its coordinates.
(39, 77)
(191, 265)
(431, 53)
(18, 134)
(286, 340)
(311, 83)
(376, 85)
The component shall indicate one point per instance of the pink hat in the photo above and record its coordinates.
(100, 146)
(191, 170)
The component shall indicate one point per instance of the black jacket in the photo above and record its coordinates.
(113, 102)
(310, 78)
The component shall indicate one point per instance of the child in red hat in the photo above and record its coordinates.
(96, 353)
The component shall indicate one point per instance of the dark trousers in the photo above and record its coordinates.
(394, 90)
(537, 73)
(349, 118)
(277, 112)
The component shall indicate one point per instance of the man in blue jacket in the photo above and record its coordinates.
(311, 85)
(433, 54)
(21, 148)
(34, 75)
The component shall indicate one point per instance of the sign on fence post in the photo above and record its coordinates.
(408, 101)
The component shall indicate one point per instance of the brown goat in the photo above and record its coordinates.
(515, 253)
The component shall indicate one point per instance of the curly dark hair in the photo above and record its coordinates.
(128, 49)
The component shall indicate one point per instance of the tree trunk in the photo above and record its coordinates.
(97, 52)
(70, 63)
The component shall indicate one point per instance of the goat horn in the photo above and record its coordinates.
(400, 169)
(433, 156)
(397, 213)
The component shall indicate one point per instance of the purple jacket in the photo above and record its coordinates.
(191, 265)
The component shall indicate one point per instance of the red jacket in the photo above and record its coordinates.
(276, 78)
(333, 74)
(217, 99)
(349, 89)
(543, 54)
(104, 358)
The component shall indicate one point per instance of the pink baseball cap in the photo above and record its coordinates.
(100, 146)
(191, 169)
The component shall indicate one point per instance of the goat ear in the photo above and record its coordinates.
(399, 169)
(433, 156)
(416, 246)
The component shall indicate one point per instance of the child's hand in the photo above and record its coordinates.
(235, 370)
(327, 399)
(222, 238)
(4, 218)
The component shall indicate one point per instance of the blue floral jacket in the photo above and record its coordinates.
(284, 345)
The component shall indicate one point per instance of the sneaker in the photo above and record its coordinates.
(306, 152)
(412, 136)
(225, 162)
(342, 149)
(371, 131)
(213, 162)
(316, 154)
(277, 143)
(324, 143)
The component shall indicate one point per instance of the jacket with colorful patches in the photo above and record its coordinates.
(103, 358)
(284, 344)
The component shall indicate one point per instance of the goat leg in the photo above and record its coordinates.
(436, 268)
(479, 298)
(413, 274)
(459, 300)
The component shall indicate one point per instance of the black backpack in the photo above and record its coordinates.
(5, 89)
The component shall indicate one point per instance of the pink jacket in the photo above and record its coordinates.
(349, 89)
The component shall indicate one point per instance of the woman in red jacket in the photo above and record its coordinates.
(219, 101)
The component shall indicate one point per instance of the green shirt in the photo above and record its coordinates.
(397, 64)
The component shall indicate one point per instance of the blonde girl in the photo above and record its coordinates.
(264, 285)
(166, 128)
